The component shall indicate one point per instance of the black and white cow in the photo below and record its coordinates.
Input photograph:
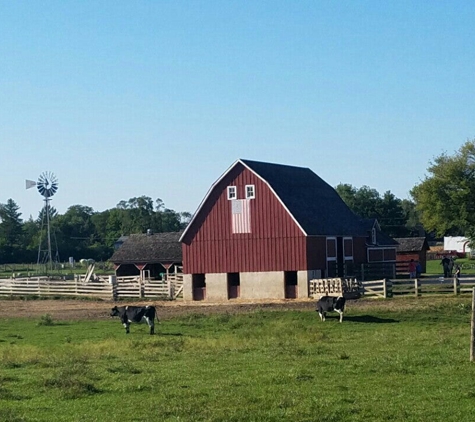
(330, 303)
(129, 314)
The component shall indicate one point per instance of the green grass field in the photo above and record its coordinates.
(435, 268)
(397, 360)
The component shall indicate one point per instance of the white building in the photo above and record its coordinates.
(456, 243)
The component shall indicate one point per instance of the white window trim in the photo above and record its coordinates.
(331, 258)
(373, 236)
(253, 192)
(232, 192)
(348, 257)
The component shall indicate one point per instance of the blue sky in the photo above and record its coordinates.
(158, 98)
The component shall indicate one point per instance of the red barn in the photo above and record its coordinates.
(264, 230)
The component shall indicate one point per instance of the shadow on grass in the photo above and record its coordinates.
(369, 319)
(171, 334)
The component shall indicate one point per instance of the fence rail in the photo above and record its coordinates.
(113, 288)
(417, 287)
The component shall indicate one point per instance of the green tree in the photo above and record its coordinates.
(445, 199)
(10, 232)
(75, 232)
(368, 203)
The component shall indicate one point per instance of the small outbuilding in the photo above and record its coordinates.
(148, 255)
(411, 248)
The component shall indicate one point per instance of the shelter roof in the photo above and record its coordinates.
(412, 244)
(149, 248)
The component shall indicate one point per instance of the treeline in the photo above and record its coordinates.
(81, 232)
(396, 217)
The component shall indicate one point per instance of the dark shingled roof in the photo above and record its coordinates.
(150, 248)
(412, 244)
(315, 205)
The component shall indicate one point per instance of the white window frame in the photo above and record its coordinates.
(250, 191)
(331, 258)
(232, 192)
(347, 257)
(373, 236)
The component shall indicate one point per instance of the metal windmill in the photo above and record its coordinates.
(47, 186)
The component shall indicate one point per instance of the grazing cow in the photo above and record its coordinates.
(330, 303)
(129, 314)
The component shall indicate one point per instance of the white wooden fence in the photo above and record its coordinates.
(104, 288)
(417, 287)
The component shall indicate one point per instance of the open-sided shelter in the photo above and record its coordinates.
(149, 255)
(264, 230)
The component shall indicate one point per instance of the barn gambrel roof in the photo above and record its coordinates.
(150, 248)
(314, 205)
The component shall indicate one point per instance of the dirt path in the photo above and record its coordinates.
(88, 309)
(82, 309)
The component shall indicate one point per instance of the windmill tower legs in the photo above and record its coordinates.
(45, 256)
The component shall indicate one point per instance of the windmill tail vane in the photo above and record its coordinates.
(30, 183)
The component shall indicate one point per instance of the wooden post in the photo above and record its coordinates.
(416, 287)
(385, 288)
(169, 287)
(456, 285)
(472, 336)
(113, 282)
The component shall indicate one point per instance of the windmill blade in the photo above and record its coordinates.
(30, 183)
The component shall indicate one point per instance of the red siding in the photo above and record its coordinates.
(416, 256)
(275, 243)
(359, 250)
(316, 253)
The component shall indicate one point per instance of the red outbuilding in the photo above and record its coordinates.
(264, 230)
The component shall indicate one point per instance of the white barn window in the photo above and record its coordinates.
(250, 192)
(232, 194)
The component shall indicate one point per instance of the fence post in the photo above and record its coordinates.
(385, 288)
(472, 335)
(169, 286)
(456, 285)
(113, 282)
(416, 287)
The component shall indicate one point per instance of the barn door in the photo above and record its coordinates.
(199, 286)
(291, 285)
(234, 286)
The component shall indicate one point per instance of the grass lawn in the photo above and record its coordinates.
(397, 360)
(435, 268)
